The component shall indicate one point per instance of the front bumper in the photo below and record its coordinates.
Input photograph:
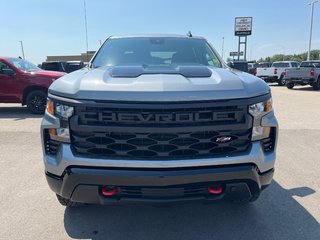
(80, 178)
(159, 185)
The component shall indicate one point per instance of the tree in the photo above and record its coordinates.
(314, 55)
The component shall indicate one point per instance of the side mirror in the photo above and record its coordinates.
(8, 72)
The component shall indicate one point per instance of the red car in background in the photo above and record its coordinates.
(25, 83)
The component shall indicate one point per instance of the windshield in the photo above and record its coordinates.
(156, 51)
(263, 65)
(24, 65)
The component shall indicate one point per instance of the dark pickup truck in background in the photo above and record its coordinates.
(59, 66)
(23, 82)
(63, 66)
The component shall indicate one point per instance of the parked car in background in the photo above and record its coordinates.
(72, 66)
(253, 67)
(23, 82)
(307, 74)
(59, 66)
(275, 73)
(239, 65)
(63, 66)
(263, 65)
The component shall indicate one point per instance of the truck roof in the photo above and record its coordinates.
(284, 61)
(155, 36)
(312, 61)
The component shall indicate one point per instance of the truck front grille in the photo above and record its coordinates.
(164, 132)
(176, 145)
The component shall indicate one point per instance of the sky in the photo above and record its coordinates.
(57, 27)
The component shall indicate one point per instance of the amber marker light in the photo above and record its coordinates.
(52, 132)
(268, 106)
(50, 107)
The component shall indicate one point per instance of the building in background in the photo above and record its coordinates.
(84, 57)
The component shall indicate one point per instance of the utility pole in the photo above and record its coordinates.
(86, 27)
(222, 52)
(312, 2)
(21, 43)
(100, 41)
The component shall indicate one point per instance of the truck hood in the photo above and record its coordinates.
(51, 74)
(170, 84)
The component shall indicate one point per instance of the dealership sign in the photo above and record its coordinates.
(233, 54)
(243, 26)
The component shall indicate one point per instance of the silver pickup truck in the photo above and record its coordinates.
(307, 74)
(276, 72)
(158, 118)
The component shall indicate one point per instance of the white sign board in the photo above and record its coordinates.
(243, 26)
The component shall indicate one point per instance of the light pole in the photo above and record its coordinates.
(21, 43)
(312, 2)
(86, 27)
(222, 52)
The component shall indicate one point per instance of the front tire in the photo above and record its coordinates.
(36, 102)
(316, 85)
(290, 85)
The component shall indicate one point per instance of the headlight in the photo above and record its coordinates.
(261, 108)
(59, 110)
(63, 112)
(258, 110)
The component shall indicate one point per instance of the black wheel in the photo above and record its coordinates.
(281, 81)
(36, 102)
(290, 85)
(67, 202)
(316, 85)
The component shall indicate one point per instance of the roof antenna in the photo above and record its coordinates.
(189, 34)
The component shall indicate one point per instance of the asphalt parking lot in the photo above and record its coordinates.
(288, 209)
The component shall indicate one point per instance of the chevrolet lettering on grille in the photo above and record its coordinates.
(147, 117)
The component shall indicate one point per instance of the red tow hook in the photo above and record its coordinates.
(215, 189)
(109, 191)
